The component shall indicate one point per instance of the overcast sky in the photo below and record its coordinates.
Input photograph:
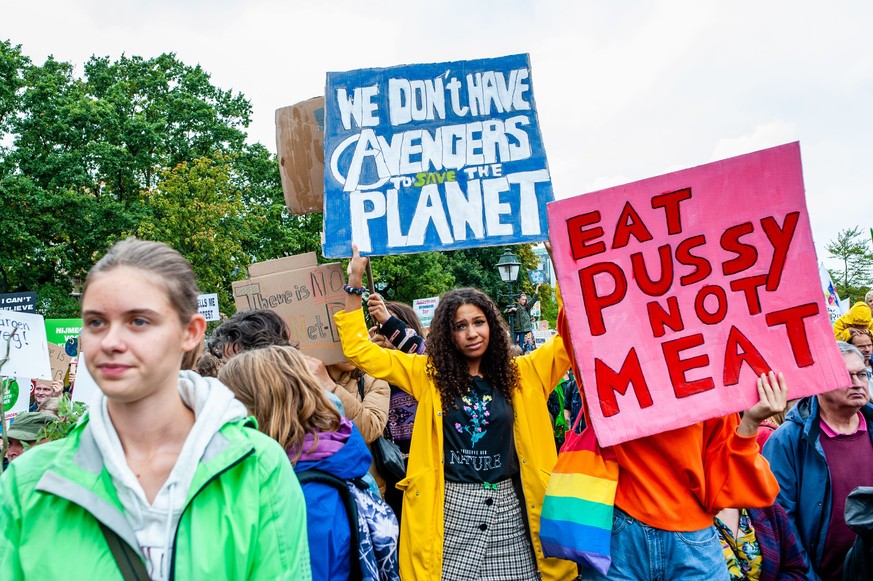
(624, 90)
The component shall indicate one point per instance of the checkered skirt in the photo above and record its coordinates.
(485, 537)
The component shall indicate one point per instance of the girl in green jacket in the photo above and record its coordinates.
(164, 478)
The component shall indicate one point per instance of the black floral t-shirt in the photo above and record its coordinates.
(478, 440)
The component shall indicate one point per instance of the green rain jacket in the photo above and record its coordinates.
(244, 517)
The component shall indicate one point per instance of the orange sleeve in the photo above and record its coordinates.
(738, 476)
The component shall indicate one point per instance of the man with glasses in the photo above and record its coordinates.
(822, 452)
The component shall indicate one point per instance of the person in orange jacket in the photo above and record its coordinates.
(671, 485)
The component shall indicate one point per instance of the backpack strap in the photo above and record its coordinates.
(128, 560)
(351, 506)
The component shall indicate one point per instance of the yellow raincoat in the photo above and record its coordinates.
(421, 532)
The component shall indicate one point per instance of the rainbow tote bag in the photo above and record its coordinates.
(576, 521)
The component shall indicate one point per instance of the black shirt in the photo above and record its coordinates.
(479, 443)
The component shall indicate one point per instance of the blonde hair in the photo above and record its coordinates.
(277, 387)
(190, 358)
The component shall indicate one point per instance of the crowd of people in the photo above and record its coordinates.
(238, 456)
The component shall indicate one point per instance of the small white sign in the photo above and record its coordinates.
(207, 305)
(425, 308)
(85, 389)
(16, 396)
(24, 333)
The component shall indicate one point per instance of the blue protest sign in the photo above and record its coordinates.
(433, 157)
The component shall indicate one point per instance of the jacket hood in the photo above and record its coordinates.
(859, 314)
(154, 522)
(342, 453)
(802, 410)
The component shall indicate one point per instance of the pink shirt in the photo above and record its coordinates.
(862, 427)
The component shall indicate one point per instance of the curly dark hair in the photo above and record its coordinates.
(247, 330)
(446, 365)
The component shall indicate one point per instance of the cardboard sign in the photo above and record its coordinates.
(20, 302)
(207, 305)
(283, 264)
(306, 299)
(681, 289)
(28, 348)
(433, 157)
(59, 361)
(425, 308)
(300, 143)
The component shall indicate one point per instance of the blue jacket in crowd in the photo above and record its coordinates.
(326, 518)
(798, 462)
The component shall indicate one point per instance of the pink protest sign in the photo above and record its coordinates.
(681, 289)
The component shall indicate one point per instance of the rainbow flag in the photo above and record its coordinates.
(576, 520)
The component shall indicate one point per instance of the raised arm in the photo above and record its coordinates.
(355, 271)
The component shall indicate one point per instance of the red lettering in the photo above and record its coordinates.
(780, 238)
(594, 303)
(734, 358)
(670, 203)
(609, 382)
(684, 256)
(678, 367)
(659, 318)
(796, 330)
(704, 315)
(629, 222)
(653, 288)
(746, 255)
(580, 237)
(749, 287)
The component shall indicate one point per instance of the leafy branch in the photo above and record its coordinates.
(3, 395)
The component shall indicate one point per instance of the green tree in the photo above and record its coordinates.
(196, 209)
(273, 231)
(407, 277)
(852, 248)
(87, 160)
(12, 64)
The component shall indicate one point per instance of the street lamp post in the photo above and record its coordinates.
(507, 267)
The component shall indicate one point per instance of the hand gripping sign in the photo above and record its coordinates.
(682, 288)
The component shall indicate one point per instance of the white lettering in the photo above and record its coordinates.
(395, 231)
(448, 147)
(494, 208)
(465, 210)
(529, 210)
(360, 107)
(429, 209)
(360, 216)
(454, 87)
